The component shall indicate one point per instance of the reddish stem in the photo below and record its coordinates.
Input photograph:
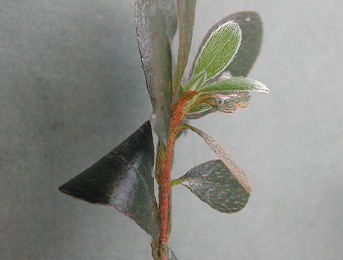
(165, 166)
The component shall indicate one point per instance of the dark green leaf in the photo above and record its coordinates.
(214, 184)
(219, 49)
(144, 37)
(162, 74)
(226, 102)
(186, 14)
(123, 179)
(252, 31)
(224, 155)
(235, 84)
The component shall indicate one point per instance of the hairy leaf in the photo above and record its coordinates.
(214, 184)
(143, 8)
(122, 179)
(186, 14)
(196, 81)
(235, 84)
(252, 32)
(224, 155)
(162, 74)
(226, 102)
(219, 49)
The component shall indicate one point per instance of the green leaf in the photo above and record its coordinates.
(186, 14)
(235, 84)
(219, 49)
(224, 155)
(162, 74)
(214, 184)
(123, 179)
(252, 32)
(196, 81)
(144, 37)
(226, 102)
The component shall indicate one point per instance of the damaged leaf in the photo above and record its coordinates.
(226, 102)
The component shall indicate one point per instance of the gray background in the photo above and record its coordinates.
(71, 89)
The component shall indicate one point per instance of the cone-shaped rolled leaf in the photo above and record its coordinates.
(186, 14)
(226, 102)
(162, 74)
(144, 37)
(235, 84)
(252, 32)
(224, 155)
(169, 253)
(214, 184)
(219, 49)
(123, 179)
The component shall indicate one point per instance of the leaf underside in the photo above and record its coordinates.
(142, 12)
(186, 14)
(123, 179)
(214, 184)
(224, 155)
(252, 32)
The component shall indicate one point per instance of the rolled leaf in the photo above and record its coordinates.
(219, 50)
(214, 184)
(186, 14)
(169, 253)
(162, 74)
(252, 32)
(144, 37)
(235, 84)
(224, 155)
(122, 179)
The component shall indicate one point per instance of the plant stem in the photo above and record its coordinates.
(163, 168)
